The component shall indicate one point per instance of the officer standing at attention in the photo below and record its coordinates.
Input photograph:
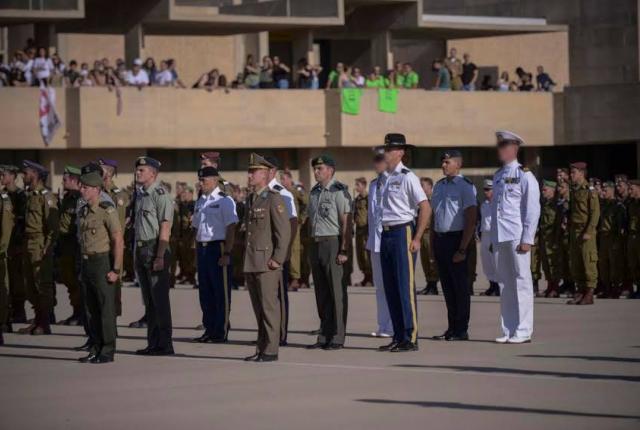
(6, 227)
(101, 247)
(402, 198)
(360, 208)
(283, 295)
(215, 220)
(300, 204)
(611, 240)
(455, 214)
(212, 159)
(374, 215)
(186, 245)
(584, 215)
(41, 231)
(15, 253)
(329, 210)
(268, 242)
(152, 226)
(486, 253)
(67, 246)
(515, 210)
(549, 240)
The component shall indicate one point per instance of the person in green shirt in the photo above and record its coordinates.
(411, 78)
(376, 80)
(334, 76)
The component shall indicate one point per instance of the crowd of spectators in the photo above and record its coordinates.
(34, 66)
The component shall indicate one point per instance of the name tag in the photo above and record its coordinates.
(511, 180)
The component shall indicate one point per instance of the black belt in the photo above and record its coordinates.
(146, 243)
(95, 255)
(324, 238)
(211, 242)
(396, 226)
(448, 233)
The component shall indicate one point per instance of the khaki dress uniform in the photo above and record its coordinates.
(583, 254)
(6, 226)
(68, 252)
(362, 234)
(268, 235)
(611, 246)
(121, 200)
(41, 231)
(15, 256)
(428, 261)
(562, 232)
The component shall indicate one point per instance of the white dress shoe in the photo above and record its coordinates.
(379, 334)
(517, 339)
(503, 339)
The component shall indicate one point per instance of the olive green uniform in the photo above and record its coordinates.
(562, 232)
(97, 226)
(41, 232)
(548, 241)
(583, 219)
(633, 239)
(186, 247)
(611, 242)
(268, 236)
(16, 255)
(326, 205)
(426, 256)
(175, 233)
(6, 226)
(536, 260)
(68, 249)
(237, 253)
(121, 200)
(360, 215)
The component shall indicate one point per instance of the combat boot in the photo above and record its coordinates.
(616, 290)
(577, 297)
(1, 339)
(587, 297)
(605, 291)
(552, 290)
(18, 315)
(42, 324)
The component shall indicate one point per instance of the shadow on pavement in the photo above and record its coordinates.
(496, 408)
(37, 357)
(526, 372)
(587, 357)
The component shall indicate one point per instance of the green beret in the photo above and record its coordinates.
(551, 184)
(72, 170)
(323, 159)
(91, 179)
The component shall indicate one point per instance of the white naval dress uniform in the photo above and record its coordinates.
(373, 246)
(487, 257)
(515, 210)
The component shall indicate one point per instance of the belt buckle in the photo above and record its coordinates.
(85, 256)
(204, 244)
(386, 227)
(140, 243)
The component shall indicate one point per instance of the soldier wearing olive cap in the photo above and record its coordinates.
(633, 234)
(41, 232)
(329, 210)
(549, 239)
(15, 252)
(268, 241)
(7, 223)
(101, 249)
(153, 216)
(611, 237)
(67, 246)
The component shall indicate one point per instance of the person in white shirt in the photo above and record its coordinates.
(487, 257)
(515, 210)
(136, 76)
(214, 219)
(283, 295)
(385, 327)
(42, 67)
(402, 198)
(164, 77)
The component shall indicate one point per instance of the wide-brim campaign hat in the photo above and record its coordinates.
(395, 141)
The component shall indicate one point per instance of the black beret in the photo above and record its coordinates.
(323, 159)
(148, 161)
(207, 172)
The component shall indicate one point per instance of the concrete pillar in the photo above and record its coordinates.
(302, 47)
(263, 45)
(381, 54)
(18, 35)
(133, 44)
(45, 35)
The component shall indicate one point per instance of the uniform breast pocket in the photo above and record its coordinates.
(258, 219)
(325, 209)
(454, 202)
(395, 187)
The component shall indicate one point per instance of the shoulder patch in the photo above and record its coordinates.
(106, 205)
(277, 187)
(404, 171)
(160, 191)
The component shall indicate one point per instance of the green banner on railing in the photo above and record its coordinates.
(388, 100)
(351, 100)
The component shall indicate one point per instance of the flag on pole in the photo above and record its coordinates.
(49, 121)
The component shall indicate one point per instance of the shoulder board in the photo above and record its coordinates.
(404, 171)
(441, 180)
(44, 191)
(277, 187)
(106, 205)
(467, 180)
(160, 191)
(524, 169)
(273, 191)
(4, 196)
(338, 186)
(222, 194)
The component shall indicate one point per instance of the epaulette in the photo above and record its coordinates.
(338, 186)
(107, 205)
(524, 169)
(160, 191)
(277, 187)
(404, 170)
(4, 196)
(467, 180)
(273, 191)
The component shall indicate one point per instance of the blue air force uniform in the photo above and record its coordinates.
(401, 195)
(451, 197)
(213, 214)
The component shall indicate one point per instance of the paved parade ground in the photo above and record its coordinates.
(582, 371)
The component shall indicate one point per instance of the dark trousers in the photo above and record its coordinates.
(398, 265)
(214, 287)
(99, 304)
(283, 297)
(331, 294)
(155, 294)
(454, 278)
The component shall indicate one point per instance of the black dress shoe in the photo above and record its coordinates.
(161, 352)
(141, 323)
(332, 346)
(444, 336)
(314, 332)
(100, 359)
(87, 359)
(86, 347)
(145, 351)
(253, 357)
(405, 346)
(205, 338)
(283, 343)
(461, 336)
(218, 340)
(316, 345)
(266, 358)
(388, 347)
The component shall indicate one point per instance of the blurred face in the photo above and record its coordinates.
(42, 52)
(359, 187)
(30, 176)
(609, 193)
(339, 67)
(561, 175)
(563, 190)
(577, 175)
(208, 184)
(145, 175)
(258, 178)
(69, 182)
(488, 194)
(356, 71)
(376, 70)
(163, 65)
(89, 193)
(507, 153)
(635, 191)
(286, 180)
(6, 179)
(323, 173)
(540, 69)
(107, 173)
(379, 166)
(453, 52)
(136, 68)
(393, 157)
(276, 60)
(548, 192)
(451, 166)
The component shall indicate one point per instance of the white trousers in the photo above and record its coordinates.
(487, 258)
(516, 289)
(384, 319)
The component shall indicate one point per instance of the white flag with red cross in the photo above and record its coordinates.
(49, 121)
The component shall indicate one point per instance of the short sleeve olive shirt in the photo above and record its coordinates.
(153, 207)
(97, 226)
(326, 205)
